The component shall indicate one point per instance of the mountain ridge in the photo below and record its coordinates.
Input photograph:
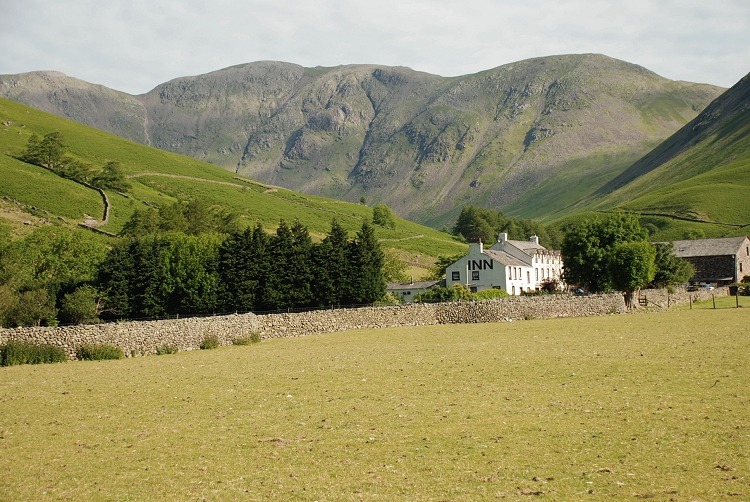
(423, 144)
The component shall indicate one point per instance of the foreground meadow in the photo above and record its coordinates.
(631, 406)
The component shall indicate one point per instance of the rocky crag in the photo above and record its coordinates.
(423, 144)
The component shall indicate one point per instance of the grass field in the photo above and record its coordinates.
(625, 407)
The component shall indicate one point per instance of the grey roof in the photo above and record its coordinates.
(398, 286)
(709, 247)
(526, 245)
(505, 258)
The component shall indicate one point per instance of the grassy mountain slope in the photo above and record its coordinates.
(702, 172)
(520, 136)
(38, 196)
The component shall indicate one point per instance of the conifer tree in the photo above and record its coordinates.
(368, 282)
(241, 265)
(276, 289)
(300, 266)
(332, 268)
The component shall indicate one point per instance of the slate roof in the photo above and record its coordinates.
(709, 247)
(398, 286)
(505, 258)
(527, 245)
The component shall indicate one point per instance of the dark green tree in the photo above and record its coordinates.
(587, 248)
(366, 257)
(242, 267)
(142, 222)
(300, 266)
(117, 278)
(631, 267)
(332, 269)
(48, 151)
(437, 271)
(111, 177)
(82, 306)
(276, 293)
(480, 223)
(476, 223)
(383, 216)
(74, 170)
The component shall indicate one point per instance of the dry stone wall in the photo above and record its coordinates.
(661, 298)
(141, 337)
(144, 338)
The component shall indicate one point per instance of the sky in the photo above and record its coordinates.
(135, 45)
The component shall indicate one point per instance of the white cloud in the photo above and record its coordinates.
(133, 45)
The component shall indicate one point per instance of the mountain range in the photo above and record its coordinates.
(533, 138)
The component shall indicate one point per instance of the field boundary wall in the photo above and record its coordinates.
(147, 337)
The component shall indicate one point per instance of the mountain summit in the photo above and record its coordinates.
(529, 137)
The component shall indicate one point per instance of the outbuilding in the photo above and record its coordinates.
(717, 262)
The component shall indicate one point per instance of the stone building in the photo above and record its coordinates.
(717, 262)
(515, 266)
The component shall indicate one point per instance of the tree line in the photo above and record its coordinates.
(475, 223)
(58, 275)
(50, 151)
(172, 274)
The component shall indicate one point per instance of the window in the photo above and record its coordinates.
(536, 272)
(455, 276)
(740, 267)
(528, 276)
(475, 275)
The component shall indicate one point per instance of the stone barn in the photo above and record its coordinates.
(718, 262)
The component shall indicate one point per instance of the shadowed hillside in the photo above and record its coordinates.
(702, 172)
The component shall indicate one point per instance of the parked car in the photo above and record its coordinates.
(579, 292)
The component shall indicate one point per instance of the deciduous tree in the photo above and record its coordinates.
(631, 267)
(670, 269)
(383, 216)
(587, 248)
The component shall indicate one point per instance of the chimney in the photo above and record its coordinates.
(534, 239)
(477, 245)
(502, 237)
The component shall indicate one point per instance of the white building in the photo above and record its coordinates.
(515, 266)
(408, 290)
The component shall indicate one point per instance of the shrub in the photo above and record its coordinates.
(99, 351)
(210, 342)
(166, 349)
(489, 294)
(247, 340)
(437, 294)
(81, 306)
(13, 353)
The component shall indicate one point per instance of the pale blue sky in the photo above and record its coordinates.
(134, 45)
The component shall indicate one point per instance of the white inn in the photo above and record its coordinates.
(515, 266)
